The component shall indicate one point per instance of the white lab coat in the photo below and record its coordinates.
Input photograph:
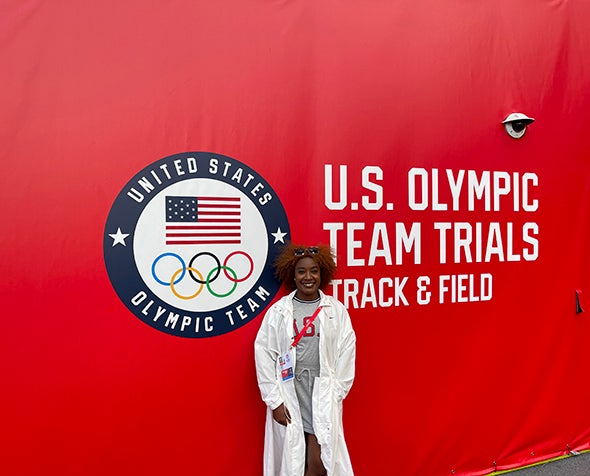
(284, 447)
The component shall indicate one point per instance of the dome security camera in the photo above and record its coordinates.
(516, 124)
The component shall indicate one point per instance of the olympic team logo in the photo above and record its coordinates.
(189, 244)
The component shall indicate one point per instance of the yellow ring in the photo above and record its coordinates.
(174, 277)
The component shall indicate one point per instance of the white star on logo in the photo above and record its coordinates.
(279, 235)
(119, 237)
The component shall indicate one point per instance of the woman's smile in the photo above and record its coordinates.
(307, 279)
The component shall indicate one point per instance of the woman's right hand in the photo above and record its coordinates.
(281, 415)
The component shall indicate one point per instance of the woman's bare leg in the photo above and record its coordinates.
(314, 465)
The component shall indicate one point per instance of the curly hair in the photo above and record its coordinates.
(286, 260)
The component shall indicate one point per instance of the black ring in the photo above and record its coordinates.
(212, 256)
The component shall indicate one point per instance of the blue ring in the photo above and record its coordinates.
(181, 274)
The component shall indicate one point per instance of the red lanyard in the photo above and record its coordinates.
(298, 337)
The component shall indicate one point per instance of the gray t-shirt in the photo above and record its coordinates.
(308, 348)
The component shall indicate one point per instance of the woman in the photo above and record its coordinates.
(305, 355)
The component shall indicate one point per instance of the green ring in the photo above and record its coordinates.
(231, 290)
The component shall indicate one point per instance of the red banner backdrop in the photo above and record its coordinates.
(377, 127)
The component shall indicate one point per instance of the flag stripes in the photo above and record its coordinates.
(203, 220)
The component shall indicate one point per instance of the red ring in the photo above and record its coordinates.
(249, 259)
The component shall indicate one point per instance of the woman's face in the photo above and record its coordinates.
(307, 279)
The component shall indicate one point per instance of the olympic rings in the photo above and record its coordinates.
(197, 276)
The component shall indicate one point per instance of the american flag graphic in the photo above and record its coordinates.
(203, 220)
